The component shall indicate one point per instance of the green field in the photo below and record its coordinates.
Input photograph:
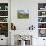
(23, 15)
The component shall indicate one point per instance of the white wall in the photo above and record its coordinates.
(22, 24)
(32, 6)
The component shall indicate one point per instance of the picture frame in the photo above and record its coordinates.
(23, 14)
(42, 33)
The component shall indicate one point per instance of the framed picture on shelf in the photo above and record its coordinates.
(41, 6)
(42, 33)
(23, 14)
(41, 25)
(4, 29)
(41, 13)
(41, 19)
(3, 13)
(3, 6)
(3, 19)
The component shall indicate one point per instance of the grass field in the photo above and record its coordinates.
(23, 15)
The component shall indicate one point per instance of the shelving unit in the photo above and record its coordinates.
(42, 19)
(4, 19)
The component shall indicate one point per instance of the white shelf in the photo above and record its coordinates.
(41, 10)
(3, 10)
(3, 22)
(41, 22)
(41, 28)
(3, 16)
(42, 16)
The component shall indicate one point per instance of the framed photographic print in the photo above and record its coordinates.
(23, 14)
(41, 6)
(4, 29)
(3, 19)
(42, 32)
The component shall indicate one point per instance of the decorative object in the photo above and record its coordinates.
(4, 26)
(27, 38)
(3, 13)
(3, 6)
(3, 19)
(41, 25)
(4, 29)
(23, 40)
(31, 27)
(6, 7)
(42, 32)
(41, 19)
(22, 14)
(41, 6)
(13, 27)
(43, 13)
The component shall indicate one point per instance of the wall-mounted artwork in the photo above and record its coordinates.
(23, 14)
